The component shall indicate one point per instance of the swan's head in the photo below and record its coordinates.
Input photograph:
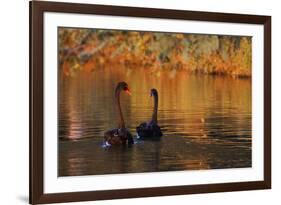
(124, 86)
(153, 92)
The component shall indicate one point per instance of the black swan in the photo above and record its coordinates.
(150, 129)
(119, 135)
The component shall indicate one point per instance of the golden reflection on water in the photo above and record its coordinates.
(206, 121)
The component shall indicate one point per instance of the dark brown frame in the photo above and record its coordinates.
(37, 8)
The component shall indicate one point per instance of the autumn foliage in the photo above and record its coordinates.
(89, 49)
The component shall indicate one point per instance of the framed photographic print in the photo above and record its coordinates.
(136, 102)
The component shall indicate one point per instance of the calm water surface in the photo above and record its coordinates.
(206, 122)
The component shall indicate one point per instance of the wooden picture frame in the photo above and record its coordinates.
(37, 9)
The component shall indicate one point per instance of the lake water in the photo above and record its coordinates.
(206, 122)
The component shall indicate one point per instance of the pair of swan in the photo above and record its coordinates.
(145, 130)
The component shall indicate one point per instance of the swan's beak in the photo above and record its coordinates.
(128, 91)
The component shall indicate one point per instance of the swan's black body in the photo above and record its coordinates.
(119, 135)
(150, 129)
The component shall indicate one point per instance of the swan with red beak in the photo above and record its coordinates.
(119, 135)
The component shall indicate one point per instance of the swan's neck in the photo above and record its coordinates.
(155, 108)
(121, 122)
